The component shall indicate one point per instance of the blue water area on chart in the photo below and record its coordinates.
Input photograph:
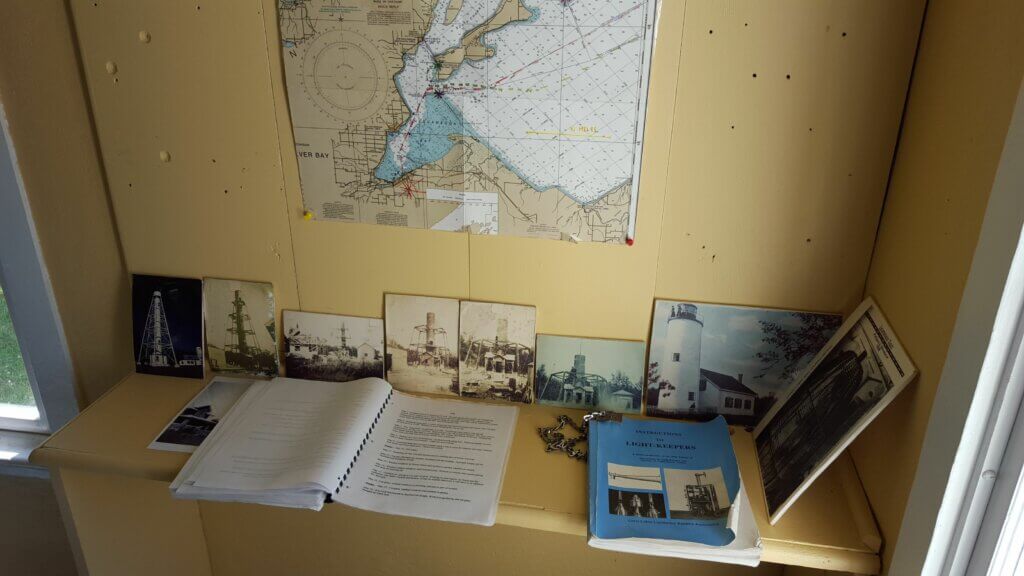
(429, 140)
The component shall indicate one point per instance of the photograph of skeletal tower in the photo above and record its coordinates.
(156, 348)
(241, 335)
(167, 325)
(420, 339)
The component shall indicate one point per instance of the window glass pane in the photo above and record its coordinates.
(14, 386)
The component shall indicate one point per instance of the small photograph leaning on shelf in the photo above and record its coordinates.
(241, 332)
(167, 322)
(590, 373)
(196, 420)
(496, 351)
(858, 373)
(422, 343)
(737, 361)
(332, 348)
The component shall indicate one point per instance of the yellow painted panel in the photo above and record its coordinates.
(189, 79)
(340, 540)
(127, 526)
(966, 81)
(785, 123)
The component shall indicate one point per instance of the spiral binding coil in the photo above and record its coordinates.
(376, 419)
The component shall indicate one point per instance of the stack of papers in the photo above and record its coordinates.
(301, 443)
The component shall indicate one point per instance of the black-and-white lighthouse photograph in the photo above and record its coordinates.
(167, 320)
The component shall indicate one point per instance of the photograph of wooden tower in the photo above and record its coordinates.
(420, 343)
(497, 350)
(241, 334)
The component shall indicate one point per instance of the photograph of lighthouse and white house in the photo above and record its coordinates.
(332, 348)
(422, 343)
(241, 331)
(737, 361)
(167, 325)
(590, 373)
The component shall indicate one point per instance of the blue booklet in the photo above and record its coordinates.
(663, 480)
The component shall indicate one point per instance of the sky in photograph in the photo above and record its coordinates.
(403, 313)
(480, 320)
(328, 327)
(731, 338)
(604, 357)
(218, 296)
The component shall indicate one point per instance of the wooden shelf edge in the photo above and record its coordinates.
(820, 558)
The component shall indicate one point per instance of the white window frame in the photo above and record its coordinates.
(963, 511)
(31, 302)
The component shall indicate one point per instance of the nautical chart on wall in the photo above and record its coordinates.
(518, 117)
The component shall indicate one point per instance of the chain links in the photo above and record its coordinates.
(557, 441)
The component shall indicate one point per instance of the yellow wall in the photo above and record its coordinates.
(761, 191)
(965, 84)
(45, 103)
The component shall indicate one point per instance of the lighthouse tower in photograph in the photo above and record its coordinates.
(680, 362)
(156, 349)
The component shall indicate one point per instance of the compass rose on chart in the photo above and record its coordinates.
(408, 187)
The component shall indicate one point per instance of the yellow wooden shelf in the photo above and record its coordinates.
(830, 527)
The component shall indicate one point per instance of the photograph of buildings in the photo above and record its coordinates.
(697, 494)
(241, 333)
(709, 359)
(496, 351)
(590, 373)
(332, 348)
(167, 325)
(195, 422)
(843, 392)
(422, 343)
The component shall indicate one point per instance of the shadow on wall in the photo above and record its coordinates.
(33, 541)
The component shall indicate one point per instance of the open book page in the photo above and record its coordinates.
(295, 433)
(433, 458)
(222, 430)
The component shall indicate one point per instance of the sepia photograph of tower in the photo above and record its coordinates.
(421, 339)
(497, 351)
(241, 331)
(167, 324)
(737, 361)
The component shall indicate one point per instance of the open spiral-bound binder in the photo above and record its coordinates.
(301, 443)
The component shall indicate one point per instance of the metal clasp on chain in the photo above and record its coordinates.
(555, 440)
